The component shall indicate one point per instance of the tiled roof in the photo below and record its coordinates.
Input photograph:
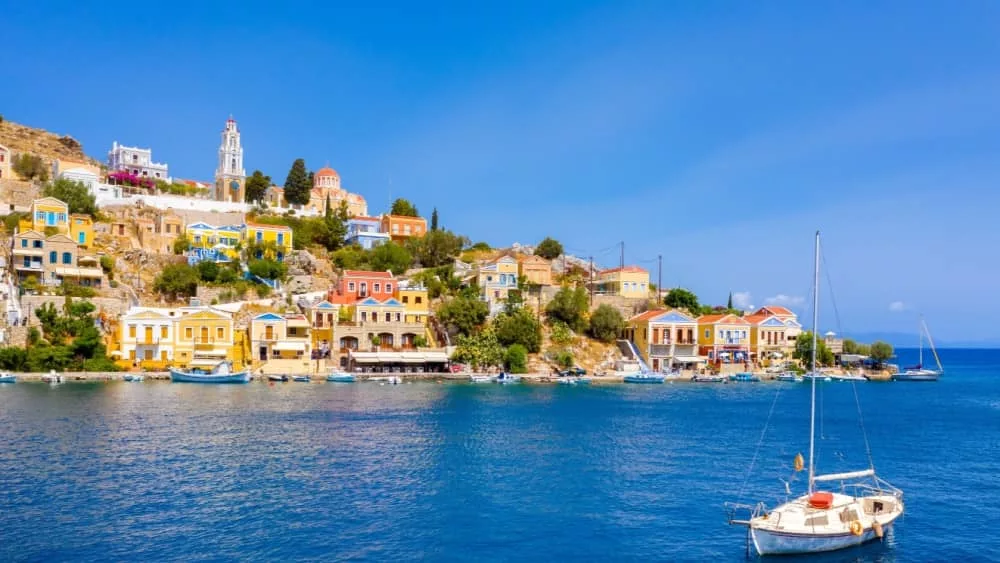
(776, 310)
(366, 274)
(625, 269)
(721, 319)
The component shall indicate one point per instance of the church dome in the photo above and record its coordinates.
(327, 171)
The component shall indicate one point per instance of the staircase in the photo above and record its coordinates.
(630, 352)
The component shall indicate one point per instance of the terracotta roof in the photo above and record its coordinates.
(367, 274)
(327, 171)
(776, 310)
(649, 314)
(625, 269)
(721, 319)
(267, 226)
(364, 218)
(757, 318)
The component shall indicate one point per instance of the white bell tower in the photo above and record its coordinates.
(230, 177)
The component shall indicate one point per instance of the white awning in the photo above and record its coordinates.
(28, 252)
(71, 272)
(435, 357)
(210, 353)
(290, 345)
(390, 357)
(204, 363)
(845, 476)
(690, 359)
(413, 358)
(364, 357)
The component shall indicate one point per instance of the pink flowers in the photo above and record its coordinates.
(125, 178)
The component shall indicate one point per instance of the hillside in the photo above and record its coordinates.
(50, 146)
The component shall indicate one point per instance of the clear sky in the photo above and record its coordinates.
(718, 134)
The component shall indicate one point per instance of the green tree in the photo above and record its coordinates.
(351, 258)
(256, 186)
(606, 323)
(463, 315)
(481, 245)
(297, 185)
(43, 358)
(549, 248)
(515, 359)
(680, 298)
(208, 271)
(392, 257)
(480, 350)
(267, 269)
(436, 248)
(881, 352)
(560, 333)
(177, 280)
(403, 207)
(569, 306)
(181, 244)
(803, 350)
(108, 265)
(13, 359)
(30, 167)
(434, 219)
(519, 327)
(729, 304)
(75, 195)
(563, 358)
(335, 225)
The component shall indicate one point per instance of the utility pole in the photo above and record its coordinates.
(591, 284)
(621, 260)
(659, 280)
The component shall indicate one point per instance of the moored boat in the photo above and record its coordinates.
(133, 377)
(789, 376)
(52, 377)
(919, 372)
(7, 377)
(644, 377)
(744, 377)
(574, 380)
(848, 377)
(302, 378)
(221, 373)
(709, 378)
(505, 377)
(481, 378)
(277, 378)
(340, 377)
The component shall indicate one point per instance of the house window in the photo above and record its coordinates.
(399, 317)
(53, 257)
(131, 331)
(418, 300)
(27, 262)
(708, 333)
(350, 286)
(189, 333)
(24, 243)
(280, 256)
(62, 217)
(388, 317)
(406, 299)
(388, 288)
(36, 243)
(281, 238)
(82, 238)
(364, 316)
(67, 258)
(259, 236)
(319, 321)
(163, 355)
(131, 354)
(220, 333)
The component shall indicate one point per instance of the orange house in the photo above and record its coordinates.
(401, 227)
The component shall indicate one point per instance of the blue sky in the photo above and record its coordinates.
(720, 135)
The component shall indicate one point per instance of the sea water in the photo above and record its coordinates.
(458, 472)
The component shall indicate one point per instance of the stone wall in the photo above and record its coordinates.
(109, 305)
(17, 195)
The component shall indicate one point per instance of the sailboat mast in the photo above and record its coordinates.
(920, 362)
(812, 366)
(931, 342)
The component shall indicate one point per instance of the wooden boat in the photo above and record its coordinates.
(644, 377)
(7, 377)
(277, 378)
(221, 373)
(340, 377)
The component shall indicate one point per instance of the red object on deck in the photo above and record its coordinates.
(821, 500)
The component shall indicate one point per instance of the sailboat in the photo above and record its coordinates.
(819, 521)
(919, 372)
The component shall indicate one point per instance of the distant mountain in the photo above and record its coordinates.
(911, 340)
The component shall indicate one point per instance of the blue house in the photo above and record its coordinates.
(365, 232)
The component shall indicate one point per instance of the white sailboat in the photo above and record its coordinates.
(919, 372)
(863, 510)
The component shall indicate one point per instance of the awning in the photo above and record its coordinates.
(204, 363)
(365, 357)
(68, 271)
(413, 358)
(290, 345)
(390, 357)
(28, 252)
(435, 357)
(690, 359)
(210, 353)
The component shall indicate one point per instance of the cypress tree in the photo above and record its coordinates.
(297, 185)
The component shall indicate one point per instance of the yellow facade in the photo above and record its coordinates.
(280, 337)
(204, 336)
(630, 281)
(224, 239)
(81, 229)
(47, 213)
(497, 278)
(322, 318)
(154, 339)
(279, 236)
(417, 303)
(724, 337)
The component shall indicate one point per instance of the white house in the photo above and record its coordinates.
(137, 161)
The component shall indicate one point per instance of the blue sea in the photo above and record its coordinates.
(457, 472)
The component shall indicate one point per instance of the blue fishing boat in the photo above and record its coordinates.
(6, 377)
(221, 373)
(340, 377)
(744, 377)
(644, 377)
(133, 378)
(302, 378)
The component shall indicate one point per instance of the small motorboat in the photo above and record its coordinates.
(790, 377)
(7, 377)
(302, 378)
(340, 377)
(221, 373)
(818, 376)
(52, 377)
(505, 377)
(848, 377)
(644, 377)
(574, 380)
(709, 378)
(277, 378)
(481, 378)
(744, 377)
(134, 377)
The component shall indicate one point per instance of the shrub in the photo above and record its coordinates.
(177, 280)
(519, 327)
(606, 323)
(515, 359)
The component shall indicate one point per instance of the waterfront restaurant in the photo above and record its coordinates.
(421, 361)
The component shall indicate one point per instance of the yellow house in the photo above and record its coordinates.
(665, 338)
(209, 242)
(416, 301)
(47, 213)
(322, 318)
(280, 337)
(497, 278)
(265, 235)
(630, 281)
(81, 229)
(535, 269)
(768, 337)
(145, 339)
(724, 338)
(205, 337)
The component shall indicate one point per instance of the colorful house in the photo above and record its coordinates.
(260, 235)
(81, 229)
(534, 269)
(378, 326)
(629, 281)
(323, 317)
(280, 337)
(47, 213)
(146, 339)
(186, 337)
(205, 337)
(52, 259)
(403, 227)
(665, 338)
(724, 338)
(793, 328)
(768, 339)
(417, 302)
(214, 243)
(496, 280)
(365, 232)
(356, 285)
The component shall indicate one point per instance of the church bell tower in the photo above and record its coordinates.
(230, 177)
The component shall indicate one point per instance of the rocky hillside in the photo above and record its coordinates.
(50, 146)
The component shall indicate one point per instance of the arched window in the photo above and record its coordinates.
(67, 258)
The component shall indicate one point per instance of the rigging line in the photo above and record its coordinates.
(861, 422)
(760, 442)
(833, 297)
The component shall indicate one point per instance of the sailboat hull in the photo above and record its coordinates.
(921, 375)
(769, 542)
